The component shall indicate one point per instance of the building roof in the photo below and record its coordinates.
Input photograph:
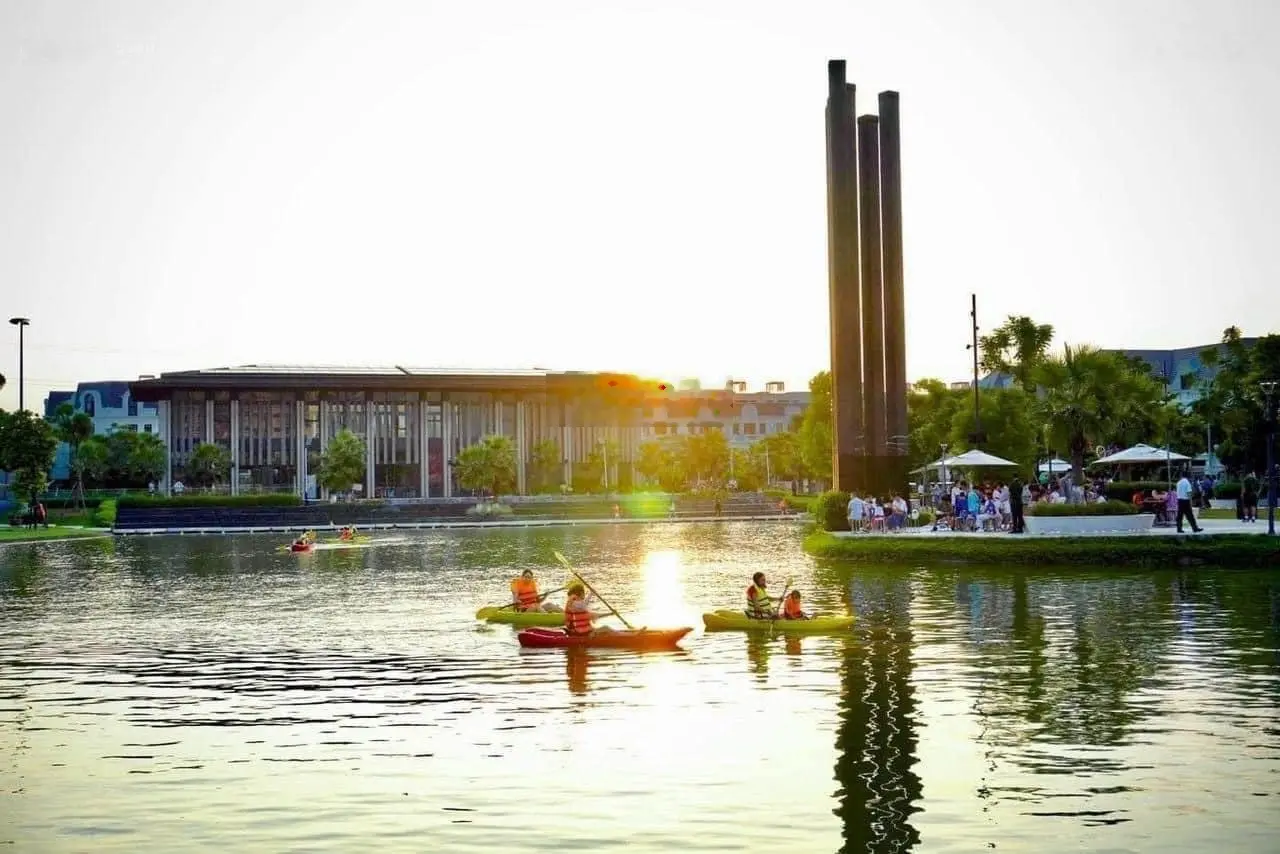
(385, 378)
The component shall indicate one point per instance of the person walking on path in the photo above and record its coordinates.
(1184, 504)
(1016, 525)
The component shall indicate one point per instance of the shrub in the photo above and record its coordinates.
(1106, 508)
(1226, 550)
(925, 518)
(105, 515)
(269, 499)
(62, 503)
(830, 510)
(1123, 490)
(1228, 490)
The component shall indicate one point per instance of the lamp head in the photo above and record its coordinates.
(20, 321)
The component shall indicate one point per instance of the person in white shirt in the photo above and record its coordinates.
(1184, 504)
(855, 513)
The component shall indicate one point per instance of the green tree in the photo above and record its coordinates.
(74, 428)
(27, 450)
(748, 468)
(662, 462)
(488, 467)
(932, 410)
(1233, 404)
(1089, 396)
(342, 464)
(1008, 419)
(1017, 348)
(815, 429)
(209, 464)
(600, 469)
(706, 457)
(545, 465)
(91, 460)
(782, 460)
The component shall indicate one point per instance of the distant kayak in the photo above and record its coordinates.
(338, 545)
(301, 547)
(639, 639)
(494, 614)
(729, 621)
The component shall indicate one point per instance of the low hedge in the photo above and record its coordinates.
(1105, 508)
(105, 515)
(830, 510)
(1228, 490)
(1123, 490)
(256, 500)
(70, 503)
(1246, 551)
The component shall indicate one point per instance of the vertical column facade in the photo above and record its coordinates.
(895, 336)
(843, 271)
(300, 447)
(872, 301)
(424, 465)
(166, 432)
(446, 434)
(522, 447)
(235, 446)
(208, 420)
(370, 439)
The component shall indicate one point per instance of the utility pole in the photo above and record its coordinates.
(977, 438)
(22, 323)
(1269, 389)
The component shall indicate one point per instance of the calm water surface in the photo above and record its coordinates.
(178, 694)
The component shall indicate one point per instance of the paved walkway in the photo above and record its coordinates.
(1209, 526)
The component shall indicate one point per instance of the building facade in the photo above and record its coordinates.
(1183, 369)
(276, 421)
(743, 417)
(110, 405)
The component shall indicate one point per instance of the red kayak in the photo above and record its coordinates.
(641, 639)
(298, 547)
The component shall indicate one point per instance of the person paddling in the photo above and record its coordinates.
(759, 604)
(348, 533)
(525, 596)
(791, 608)
(577, 612)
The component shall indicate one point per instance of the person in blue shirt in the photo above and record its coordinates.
(972, 501)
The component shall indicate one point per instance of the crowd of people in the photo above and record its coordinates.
(876, 515)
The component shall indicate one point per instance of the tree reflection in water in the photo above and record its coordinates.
(875, 739)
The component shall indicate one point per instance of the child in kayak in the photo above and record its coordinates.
(577, 613)
(760, 605)
(525, 596)
(348, 534)
(791, 608)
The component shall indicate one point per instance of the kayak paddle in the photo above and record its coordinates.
(541, 596)
(564, 560)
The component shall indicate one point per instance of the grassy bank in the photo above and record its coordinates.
(1226, 550)
(53, 532)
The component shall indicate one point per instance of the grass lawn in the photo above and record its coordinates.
(53, 532)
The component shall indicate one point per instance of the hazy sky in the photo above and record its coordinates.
(636, 186)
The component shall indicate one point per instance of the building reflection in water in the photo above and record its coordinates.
(875, 739)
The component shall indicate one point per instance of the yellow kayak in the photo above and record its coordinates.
(498, 614)
(728, 621)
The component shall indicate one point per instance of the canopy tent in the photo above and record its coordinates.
(1053, 465)
(969, 459)
(1141, 454)
(976, 459)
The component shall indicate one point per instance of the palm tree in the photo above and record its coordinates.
(1017, 348)
(1089, 395)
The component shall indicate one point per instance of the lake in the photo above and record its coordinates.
(202, 693)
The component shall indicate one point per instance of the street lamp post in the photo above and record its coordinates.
(22, 323)
(1269, 389)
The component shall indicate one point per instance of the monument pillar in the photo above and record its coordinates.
(895, 336)
(873, 395)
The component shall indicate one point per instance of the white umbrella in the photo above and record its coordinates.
(978, 459)
(1054, 465)
(1139, 454)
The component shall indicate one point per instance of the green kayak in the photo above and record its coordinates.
(497, 614)
(729, 621)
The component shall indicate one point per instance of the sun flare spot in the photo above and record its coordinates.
(662, 603)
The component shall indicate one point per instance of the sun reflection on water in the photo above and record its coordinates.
(662, 597)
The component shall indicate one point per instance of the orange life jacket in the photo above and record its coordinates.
(576, 622)
(791, 610)
(525, 592)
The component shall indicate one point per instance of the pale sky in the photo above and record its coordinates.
(634, 186)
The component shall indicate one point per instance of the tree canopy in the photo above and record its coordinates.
(488, 467)
(28, 446)
(342, 464)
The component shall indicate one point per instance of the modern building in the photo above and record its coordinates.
(110, 405)
(744, 417)
(1184, 369)
(275, 421)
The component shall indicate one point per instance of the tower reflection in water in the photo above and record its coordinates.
(875, 739)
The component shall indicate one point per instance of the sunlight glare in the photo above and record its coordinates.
(662, 602)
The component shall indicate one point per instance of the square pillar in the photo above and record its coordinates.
(208, 420)
(235, 446)
(566, 448)
(497, 418)
(162, 409)
(300, 448)
(521, 447)
(424, 458)
(446, 436)
(370, 436)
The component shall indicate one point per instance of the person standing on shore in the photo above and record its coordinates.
(1015, 506)
(1184, 504)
